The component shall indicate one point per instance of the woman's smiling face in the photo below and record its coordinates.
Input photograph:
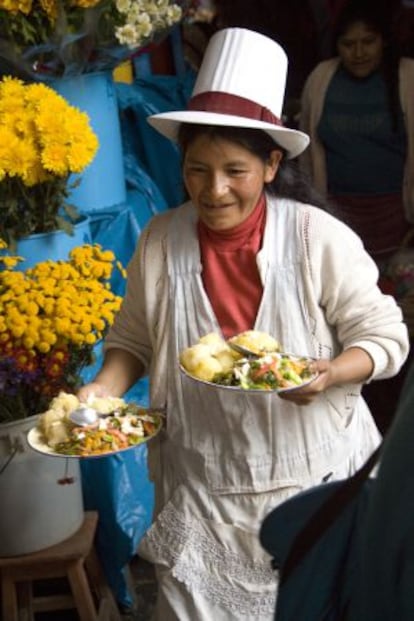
(224, 180)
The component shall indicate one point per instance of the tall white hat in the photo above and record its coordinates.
(241, 83)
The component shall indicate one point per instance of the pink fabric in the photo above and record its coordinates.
(225, 103)
(230, 275)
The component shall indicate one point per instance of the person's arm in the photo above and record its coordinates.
(353, 366)
(120, 370)
(343, 296)
(128, 346)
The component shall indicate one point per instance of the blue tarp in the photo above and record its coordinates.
(155, 154)
(118, 486)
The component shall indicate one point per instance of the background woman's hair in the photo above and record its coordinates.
(289, 182)
(378, 16)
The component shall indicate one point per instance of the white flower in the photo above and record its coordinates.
(126, 35)
(174, 13)
(143, 27)
(144, 18)
(123, 6)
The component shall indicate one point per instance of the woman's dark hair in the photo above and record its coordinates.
(374, 13)
(289, 182)
(377, 15)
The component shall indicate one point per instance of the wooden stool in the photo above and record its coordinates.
(76, 559)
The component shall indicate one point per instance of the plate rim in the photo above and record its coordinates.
(34, 436)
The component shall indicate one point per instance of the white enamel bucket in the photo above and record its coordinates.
(40, 496)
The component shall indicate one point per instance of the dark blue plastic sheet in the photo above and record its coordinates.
(157, 155)
(118, 227)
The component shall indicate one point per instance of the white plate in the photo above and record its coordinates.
(255, 390)
(36, 441)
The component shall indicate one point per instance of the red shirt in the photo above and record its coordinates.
(230, 275)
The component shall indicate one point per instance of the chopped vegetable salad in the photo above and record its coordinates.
(275, 371)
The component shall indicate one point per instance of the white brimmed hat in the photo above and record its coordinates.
(241, 83)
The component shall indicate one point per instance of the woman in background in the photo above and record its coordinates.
(358, 109)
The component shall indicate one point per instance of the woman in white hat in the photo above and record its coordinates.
(247, 251)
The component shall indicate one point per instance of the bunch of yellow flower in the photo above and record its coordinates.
(43, 139)
(51, 316)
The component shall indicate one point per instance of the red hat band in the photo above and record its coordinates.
(225, 103)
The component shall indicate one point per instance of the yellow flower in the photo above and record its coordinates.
(32, 309)
(85, 4)
(43, 140)
(52, 315)
(29, 342)
(48, 337)
(10, 262)
(105, 255)
(17, 330)
(121, 269)
(50, 8)
(24, 6)
(43, 347)
(59, 355)
(98, 323)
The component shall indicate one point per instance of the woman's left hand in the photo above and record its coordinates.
(306, 394)
(353, 366)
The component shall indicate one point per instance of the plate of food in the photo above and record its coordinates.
(218, 364)
(121, 426)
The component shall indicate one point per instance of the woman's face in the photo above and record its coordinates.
(360, 49)
(225, 180)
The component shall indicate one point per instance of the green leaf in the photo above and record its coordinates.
(71, 211)
(65, 225)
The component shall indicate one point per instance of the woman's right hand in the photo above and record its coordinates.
(91, 390)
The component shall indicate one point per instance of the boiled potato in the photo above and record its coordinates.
(57, 432)
(64, 401)
(58, 411)
(226, 360)
(50, 418)
(211, 355)
(191, 357)
(207, 369)
(256, 341)
(215, 342)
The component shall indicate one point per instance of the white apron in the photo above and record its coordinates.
(226, 458)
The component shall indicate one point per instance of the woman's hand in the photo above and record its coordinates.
(354, 365)
(94, 389)
(306, 394)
